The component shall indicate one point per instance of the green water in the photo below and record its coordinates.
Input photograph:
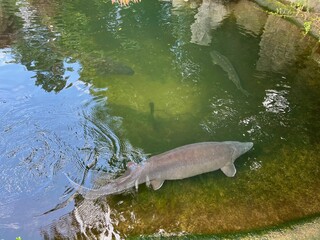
(65, 72)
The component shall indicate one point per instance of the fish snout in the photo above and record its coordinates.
(243, 147)
(249, 145)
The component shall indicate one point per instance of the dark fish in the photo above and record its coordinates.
(226, 65)
(108, 66)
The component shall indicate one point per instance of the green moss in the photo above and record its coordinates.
(284, 188)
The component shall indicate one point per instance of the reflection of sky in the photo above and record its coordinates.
(222, 114)
(187, 67)
(276, 106)
(5, 58)
(72, 75)
(276, 101)
(43, 135)
(26, 13)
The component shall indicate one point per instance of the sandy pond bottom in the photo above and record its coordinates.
(306, 230)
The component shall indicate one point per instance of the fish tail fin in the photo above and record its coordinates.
(80, 189)
(245, 92)
(91, 193)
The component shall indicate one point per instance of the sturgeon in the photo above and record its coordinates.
(226, 65)
(179, 163)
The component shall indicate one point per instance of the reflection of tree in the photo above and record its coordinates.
(98, 36)
(50, 80)
(50, 40)
(9, 23)
(38, 52)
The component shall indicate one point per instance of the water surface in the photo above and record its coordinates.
(86, 88)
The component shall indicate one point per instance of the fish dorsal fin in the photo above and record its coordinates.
(156, 183)
(229, 170)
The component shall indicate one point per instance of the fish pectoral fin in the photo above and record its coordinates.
(148, 181)
(156, 183)
(136, 184)
(229, 170)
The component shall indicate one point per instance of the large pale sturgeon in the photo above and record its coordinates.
(179, 163)
(226, 65)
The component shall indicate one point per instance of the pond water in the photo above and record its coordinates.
(87, 87)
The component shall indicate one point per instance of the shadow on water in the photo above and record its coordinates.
(125, 83)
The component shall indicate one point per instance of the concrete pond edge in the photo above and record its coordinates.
(302, 229)
(301, 19)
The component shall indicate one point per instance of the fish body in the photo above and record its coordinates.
(226, 65)
(111, 67)
(179, 163)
